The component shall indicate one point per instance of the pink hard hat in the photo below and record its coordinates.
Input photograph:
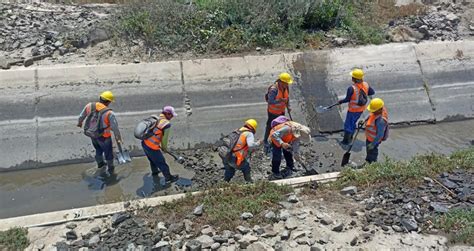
(169, 109)
(279, 120)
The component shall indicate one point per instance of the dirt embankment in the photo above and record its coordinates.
(44, 33)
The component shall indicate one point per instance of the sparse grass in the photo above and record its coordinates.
(14, 239)
(458, 224)
(224, 205)
(232, 26)
(390, 171)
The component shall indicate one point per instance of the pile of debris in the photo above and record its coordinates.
(439, 23)
(406, 209)
(40, 29)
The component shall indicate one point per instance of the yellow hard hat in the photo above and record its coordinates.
(285, 77)
(375, 105)
(357, 74)
(252, 123)
(108, 96)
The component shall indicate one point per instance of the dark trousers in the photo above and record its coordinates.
(371, 154)
(351, 122)
(276, 159)
(271, 117)
(103, 146)
(157, 161)
(230, 170)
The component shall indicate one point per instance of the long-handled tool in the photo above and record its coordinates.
(289, 113)
(322, 109)
(347, 155)
(177, 158)
(123, 156)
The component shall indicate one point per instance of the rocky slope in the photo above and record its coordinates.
(311, 219)
(45, 33)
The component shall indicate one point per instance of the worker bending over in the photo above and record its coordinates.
(285, 138)
(152, 146)
(240, 153)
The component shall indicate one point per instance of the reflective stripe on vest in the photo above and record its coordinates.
(287, 138)
(154, 142)
(353, 106)
(241, 149)
(371, 128)
(104, 119)
(279, 108)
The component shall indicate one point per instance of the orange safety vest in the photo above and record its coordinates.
(279, 108)
(288, 138)
(154, 142)
(353, 106)
(241, 148)
(371, 129)
(104, 120)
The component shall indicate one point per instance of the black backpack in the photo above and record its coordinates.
(227, 145)
(363, 99)
(144, 129)
(93, 127)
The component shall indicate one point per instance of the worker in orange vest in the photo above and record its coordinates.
(100, 122)
(153, 145)
(285, 138)
(376, 129)
(240, 153)
(278, 99)
(357, 97)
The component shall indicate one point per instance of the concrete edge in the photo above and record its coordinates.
(85, 213)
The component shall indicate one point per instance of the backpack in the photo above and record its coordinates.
(144, 129)
(363, 99)
(228, 143)
(386, 133)
(93, 127)
(266, 94)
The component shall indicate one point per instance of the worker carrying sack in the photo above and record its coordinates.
(227, 144)
(144, 129)
(93, 127)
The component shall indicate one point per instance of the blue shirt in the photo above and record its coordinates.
(380, 126)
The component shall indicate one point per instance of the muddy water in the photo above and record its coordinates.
(63, 187)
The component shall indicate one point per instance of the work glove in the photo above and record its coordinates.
(371, 146)
(79, 125)
(286, 146)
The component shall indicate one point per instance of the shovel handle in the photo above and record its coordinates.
(119, 146)
(354, 139)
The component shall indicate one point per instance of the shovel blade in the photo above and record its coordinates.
(126, 156)
(121, 160)
(346, 158)
(321, 109)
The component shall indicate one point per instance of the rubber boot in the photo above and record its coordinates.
(347, 138)
(110, 166)
(247, 177)
(101, 164)
(171, 178)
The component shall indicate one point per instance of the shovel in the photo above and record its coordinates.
(323, 109)
(347, 155)
(123, 156)
(309, 171)
(177, 158)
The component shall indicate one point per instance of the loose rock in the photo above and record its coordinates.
(246, 216)
(350, 190)
(199, 210)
